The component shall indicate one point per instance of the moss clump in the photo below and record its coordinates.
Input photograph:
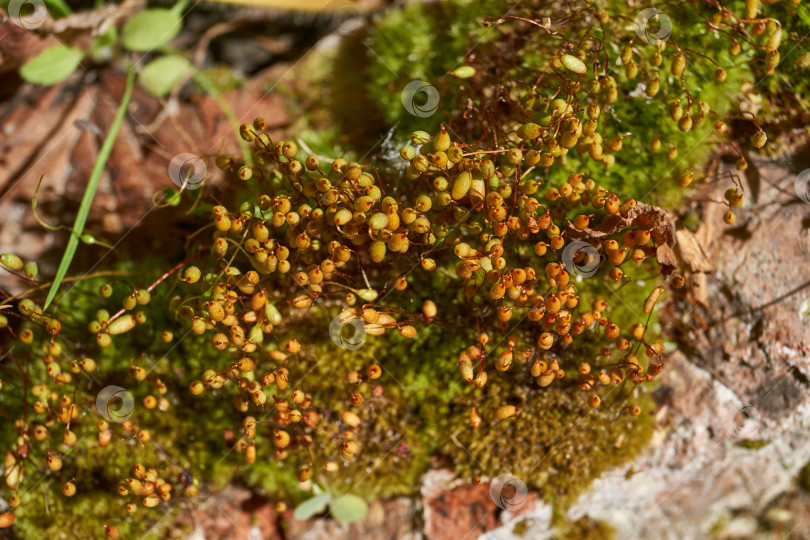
(424, 42)
(180, 446)
(585, 528)
(401, 413)
(557, 444)
(753, 444)
(447, 253)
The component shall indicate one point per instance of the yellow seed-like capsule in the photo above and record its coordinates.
(304, 474)
(54, 462)
(408, 331)
(281, 438)
(302, 301)
(678, 64)
(123, 324)
(751, 9)
(475, 417)
(377, 251)
(572, 63)
(649, 303)
(461, 186)
(506, 411)
(465, 368)
(546, 378)
(429, 309)
(350, 419)
(11, 261)
(6, 520)
(69, 489)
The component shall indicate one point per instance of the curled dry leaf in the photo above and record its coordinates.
(690, 253)
(658, 221)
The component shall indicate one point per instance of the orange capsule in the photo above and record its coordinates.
(138, 471)
(351, 419)
(302, 301)
(465, 368)
(282, 378)
(69, 489)
(612, 331)
(70, 438)
(281, 438)
(651, 300)
(429, 309)
(538, 368)
(407, 331)
(40, 432)
(6, 520)
(546, 377)
(349, 449)
(354, 377)
(584, 368)
(104, 437)
(546, 340)
(54, 462)
(374, 372)
(504, 360)
(293, 347)
(506, 411)
(475, 417)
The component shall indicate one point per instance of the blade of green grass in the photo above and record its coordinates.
(58, 8)
(90, 191)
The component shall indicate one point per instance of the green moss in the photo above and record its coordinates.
(424, 42)
(718, 526)
(522, 527)
(182, 442)
(557, 444)
(585, 529)
(399, 427)
(753, 444)
(804, 477)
